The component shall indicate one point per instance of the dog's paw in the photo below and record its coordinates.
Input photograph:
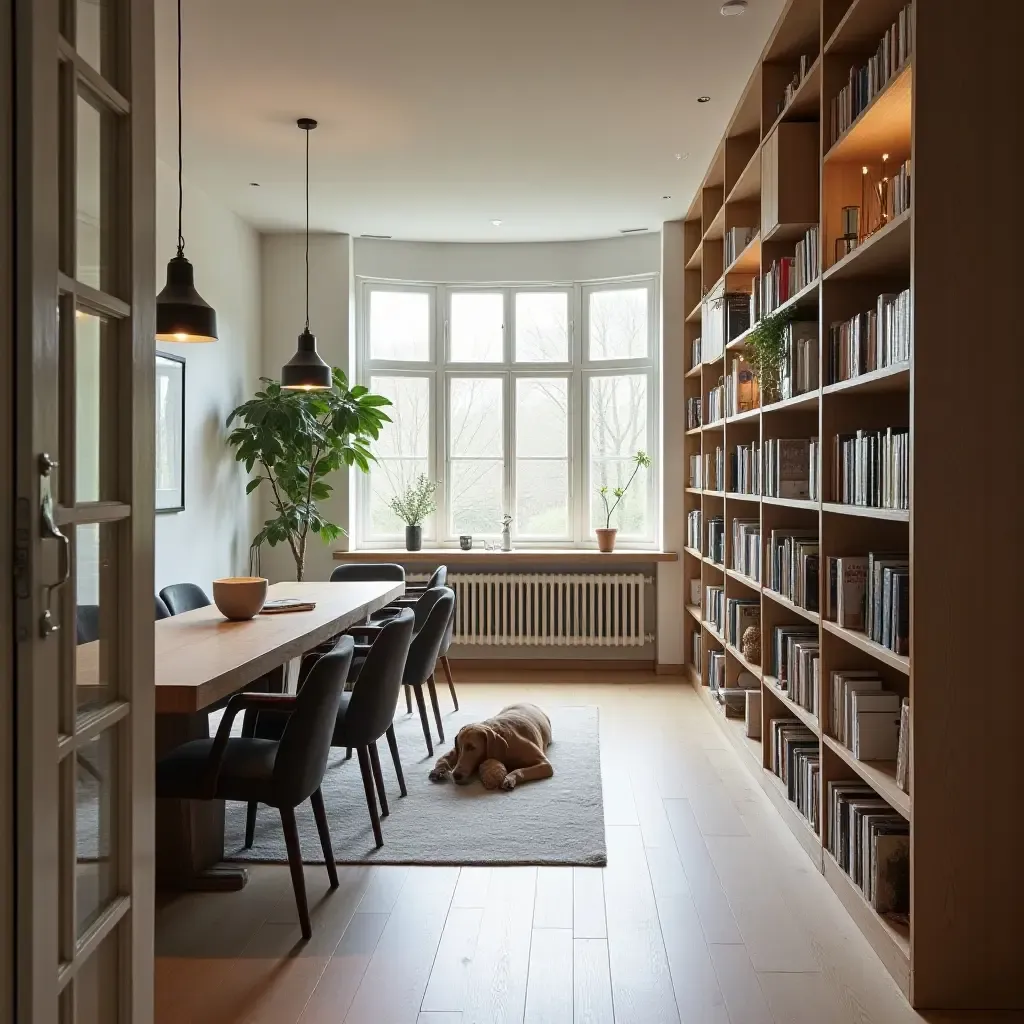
(439, 775)
(509, 782)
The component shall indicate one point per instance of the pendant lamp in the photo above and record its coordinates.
(306, 371)
(181, 312)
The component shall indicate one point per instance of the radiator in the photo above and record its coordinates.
(550, 609)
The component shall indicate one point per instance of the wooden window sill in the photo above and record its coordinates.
(521, 556)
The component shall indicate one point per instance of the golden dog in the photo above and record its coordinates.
(506, 749)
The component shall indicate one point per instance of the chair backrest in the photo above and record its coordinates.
(426, 642)
(367, 572)
(375, 694)
(306, 741)
(87, 623)
(446, 640)
(161, 611)
(438, 578)
(184, 597)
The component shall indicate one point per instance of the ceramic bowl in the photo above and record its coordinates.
(240, 597)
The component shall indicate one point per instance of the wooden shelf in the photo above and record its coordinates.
(692, 431)
(694, 490)
(735, 730)
(808, 400)
(714, 425)
(708, 493)
(882, 126)
(694, 315)
(804, 106)
(696, 258)
(774, 595)
(885, 253)
(797, 710)
(714, 632)
(740, 417)
(718, 566)
(862, 642)
(879, 775)
(747, 581)
(736, 496)
(807, 503)
(695, 371)
(893, 515)
(748, 666)
(748, 184)
(694, 610)
(863, 25)
(748, 261)
(694, 553)
(566, 557)
(888, 378)
(716, 229)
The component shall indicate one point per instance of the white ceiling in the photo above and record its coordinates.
(561, 119)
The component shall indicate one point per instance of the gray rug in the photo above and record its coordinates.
(552, 821)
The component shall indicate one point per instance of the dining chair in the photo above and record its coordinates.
(431, 618)
(87, 623)
(363, 572)
(413, 592)
(161, 611)
(281, 773)
(184, 597)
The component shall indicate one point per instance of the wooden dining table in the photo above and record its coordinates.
(201, 658)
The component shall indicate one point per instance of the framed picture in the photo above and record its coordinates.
(170, 433)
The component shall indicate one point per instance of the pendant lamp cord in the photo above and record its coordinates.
(307, 229)
(181, 237)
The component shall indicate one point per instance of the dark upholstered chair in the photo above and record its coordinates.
(431, 618)
(282, 773)
(87, 623)
(184, 597)
(161, 609)
(362, 572)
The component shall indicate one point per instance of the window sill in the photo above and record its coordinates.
(521, 556)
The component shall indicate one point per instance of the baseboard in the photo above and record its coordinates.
(664, 668)
(551, 665)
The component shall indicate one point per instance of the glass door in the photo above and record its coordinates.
(84, 379)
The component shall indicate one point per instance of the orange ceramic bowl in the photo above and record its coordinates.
(240, 597)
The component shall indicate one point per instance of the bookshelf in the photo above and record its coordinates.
(958, 947)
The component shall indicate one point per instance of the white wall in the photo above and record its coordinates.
(211, 537)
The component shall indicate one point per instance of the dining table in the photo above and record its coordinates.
(201, 658)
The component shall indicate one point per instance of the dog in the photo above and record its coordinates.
(504, 750)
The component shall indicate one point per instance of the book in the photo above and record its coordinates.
(903, 748)
(890, 885)
(876, 734)
(851, 587)
(282, 605)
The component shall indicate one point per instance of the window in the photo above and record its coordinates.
(511, 407)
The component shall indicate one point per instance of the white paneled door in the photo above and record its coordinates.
(81, 451)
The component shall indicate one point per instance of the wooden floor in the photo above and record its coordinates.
(708, 912)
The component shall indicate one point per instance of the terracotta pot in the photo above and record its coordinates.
(240, 597)
(606, 539)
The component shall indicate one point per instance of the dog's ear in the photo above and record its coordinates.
(497, 745)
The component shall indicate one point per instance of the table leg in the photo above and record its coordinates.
(190, 833)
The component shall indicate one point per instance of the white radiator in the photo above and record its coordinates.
(550, 609)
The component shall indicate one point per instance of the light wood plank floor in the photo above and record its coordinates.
(709, 912)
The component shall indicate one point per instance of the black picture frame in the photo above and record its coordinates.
(169, 440)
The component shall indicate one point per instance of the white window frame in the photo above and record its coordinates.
(579, 369)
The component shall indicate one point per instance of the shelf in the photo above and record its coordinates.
(775, 596)
(708, 493)
(692, 431)
(735, 729)
(694, 610)
(885, 252)
(716, 229)
(879, 775)
(736, 496)
(748, 184)
(808, 400)
(695, 371)
(714, 632)
(694, 553)
(694, 490)
(696, 258)
(740, 417)
(748, 261)
(714, 425)
(745, 580)
(713, 565)
(863, 642)
(863, 25)
(882, 126)
(806, 100)
(893, 515)
(888, 378)
(797, 710)
(806, 503)
(694, 315)
(754, 670)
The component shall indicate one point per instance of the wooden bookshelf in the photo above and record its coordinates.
(961, 948)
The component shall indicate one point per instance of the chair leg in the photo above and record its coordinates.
(423, 719)
(320, 813)
(437, 709)
(348, 753)
(393, 744)
(408, 701)
(378, 777)
(371, 799)
(446, 665)
(291, 839)
(250, 823)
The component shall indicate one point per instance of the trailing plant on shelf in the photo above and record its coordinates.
(296, 440)
(413, 506)
(606, 535)
(765, 349)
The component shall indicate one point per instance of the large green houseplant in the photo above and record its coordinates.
(295, 440)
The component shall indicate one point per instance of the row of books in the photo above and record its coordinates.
(865, 83)
(871, 843)
(871, 594)
(795, 663)
(714, 404)
(798, 371)
(714, 469)
(693, 413)
(695, 353)
(791, 566)
(903, 748)
(796, 759)
(740, 614)
(698, 648)
(714, 607)
(716, 670)
(871, 340)
(736, 240)
(746, 468)
(803, 66)
(772, 288)
(715, 549)
(871, 468)
(897, 195)
(787, 468)
(693, 532)
(742, 390)
(693, 476)
(864, 716)
(814, 468)
(746, 547)
(806, 260)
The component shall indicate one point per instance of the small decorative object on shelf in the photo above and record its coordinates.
(506, 536)
(750, 645)
(466, 542)
(765, 353)
(606, 534)
(412, 506)
(850, 238)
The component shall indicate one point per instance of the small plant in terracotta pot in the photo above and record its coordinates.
(606, 534)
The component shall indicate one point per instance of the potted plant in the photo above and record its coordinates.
(606, 534)
(412, 506)
(296, 440)
(766, 346)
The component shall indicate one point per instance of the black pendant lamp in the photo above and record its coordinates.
(306, 371)
(181, 312)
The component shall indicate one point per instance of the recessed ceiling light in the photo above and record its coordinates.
(703, 99)
(496, 223)
(733, 7)
(254, 184)
(682, 156)
(666, 197)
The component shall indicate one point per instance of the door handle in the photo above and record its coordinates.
(51, 530)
